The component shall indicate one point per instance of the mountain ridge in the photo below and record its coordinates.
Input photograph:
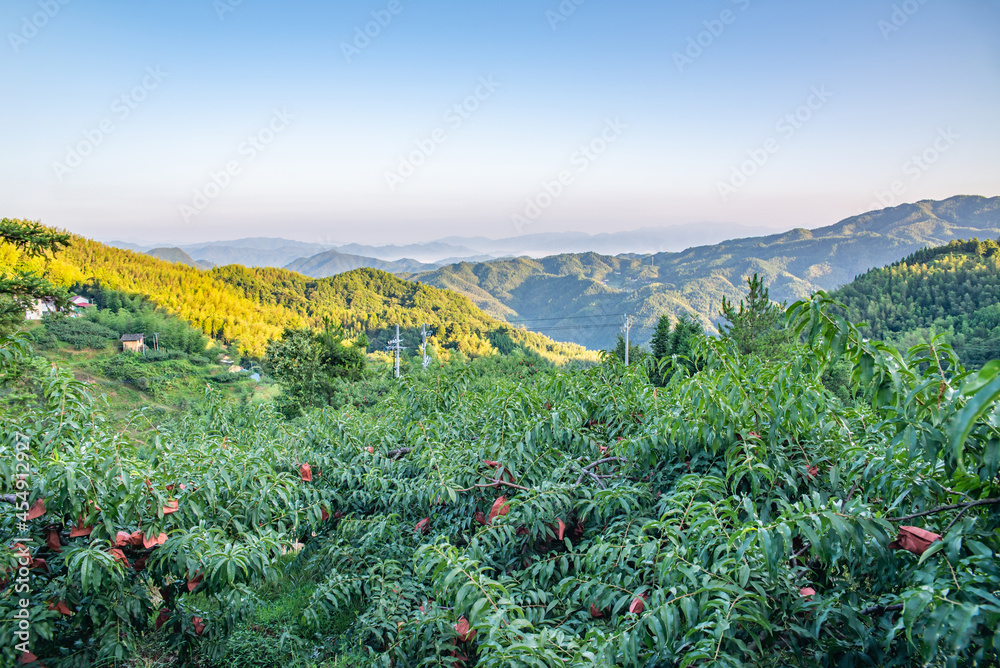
(279, 252)
(331, 263)
(595, 289)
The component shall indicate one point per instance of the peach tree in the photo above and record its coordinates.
(740, 515)
(108, 533)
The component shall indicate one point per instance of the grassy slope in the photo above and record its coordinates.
(182, 391)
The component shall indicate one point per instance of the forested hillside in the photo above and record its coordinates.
(373, 301)
(565, 297)
(253, 306)
(211, 305)
(952, 289)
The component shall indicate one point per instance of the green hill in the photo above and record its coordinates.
(952, 289)
(253, 306)
(374, 302)
(581, 297)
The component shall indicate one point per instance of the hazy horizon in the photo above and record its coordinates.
(291, 236)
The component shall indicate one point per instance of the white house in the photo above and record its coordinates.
(80, 303)
(41, 307)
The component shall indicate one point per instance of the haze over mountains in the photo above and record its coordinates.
(580, 295)
(278, 252)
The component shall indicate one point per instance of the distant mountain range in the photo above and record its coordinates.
(255, 252)
(314, 259)
(583, 297)
(252, 306)
(644, 241)
(580, 295)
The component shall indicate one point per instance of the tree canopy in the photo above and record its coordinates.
(312, 366)
(21, 285)
(953, 290)
(757, 327)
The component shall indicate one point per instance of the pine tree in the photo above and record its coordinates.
(757, 327)
(20, 289)
(677, 343)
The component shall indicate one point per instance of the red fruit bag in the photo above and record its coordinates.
(914, 539)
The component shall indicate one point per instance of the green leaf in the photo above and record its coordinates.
(983, 399)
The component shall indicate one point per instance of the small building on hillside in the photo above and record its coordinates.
(79, 305)
(40, 308)
(134, 342)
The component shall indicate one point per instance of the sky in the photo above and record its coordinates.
(399, 121)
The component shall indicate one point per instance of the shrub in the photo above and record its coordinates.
(255, 646)
(42, 338)
(133, 369)
(199, 360)
(155, 356)
(80, 333)
(125, 367)
(201, 506)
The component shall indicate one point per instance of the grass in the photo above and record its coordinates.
(178, 387)
(274, 638)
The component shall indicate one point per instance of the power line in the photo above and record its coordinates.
(579, 327)
(569, 317)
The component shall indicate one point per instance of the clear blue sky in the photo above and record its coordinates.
(901, 76)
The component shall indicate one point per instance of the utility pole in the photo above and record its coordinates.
(423, 349)
(397, 351)
(396, 344)
(627, 328)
